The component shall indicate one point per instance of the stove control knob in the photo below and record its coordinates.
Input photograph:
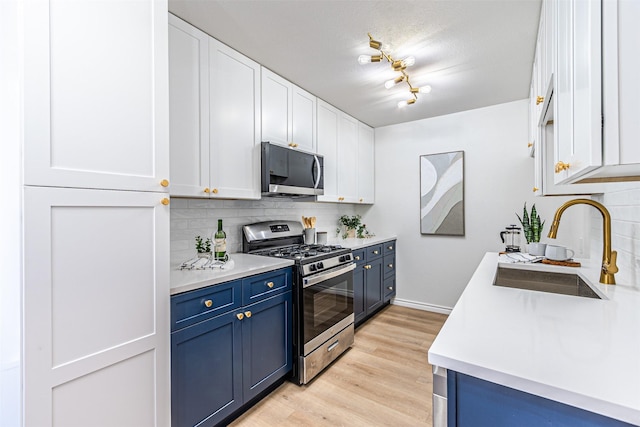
(320, 265)
(347, 257)
(312, 267)
(342, 258)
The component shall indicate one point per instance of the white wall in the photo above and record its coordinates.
(432, 271)
(10, 225)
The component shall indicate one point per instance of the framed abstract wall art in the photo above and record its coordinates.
(442, 194)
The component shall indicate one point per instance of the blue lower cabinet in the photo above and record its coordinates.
(206, 371)
(478, 403)
(374, 295)
(219, 364)
(266, 343)
(359, 308)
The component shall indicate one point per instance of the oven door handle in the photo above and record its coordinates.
(329, 274)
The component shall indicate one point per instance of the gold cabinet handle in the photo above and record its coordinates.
(390, 288)
(539, 100)
(529, 145)
(270, 285)
(390, 265)
(535, 189)
(375, 252)
(165, 201)
(214, 191)
(361, 199)
(240, 316)
(293, 144)
(390, 247)
(164, 183)
(340, 199)
(206, 190)
(208, 303)
(368, 267)
(561, 166)
(357, 257)
(247, 314)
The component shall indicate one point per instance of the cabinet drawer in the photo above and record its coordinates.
(358, 255)
(389, 265)
(195, 306)
(265, 285)
(389, 247)
(373, 252)
(389, 288)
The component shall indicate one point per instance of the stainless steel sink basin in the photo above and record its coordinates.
(544, 281)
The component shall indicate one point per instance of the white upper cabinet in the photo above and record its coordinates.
(365, 161)
(347, 159)
(288, 113)
(328, 120)
(215, 117)
(188, 108)
(578, 89)
(234, 131)
(95, 99)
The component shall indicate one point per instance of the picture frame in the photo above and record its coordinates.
(442, 194)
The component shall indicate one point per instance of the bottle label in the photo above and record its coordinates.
(220, 245)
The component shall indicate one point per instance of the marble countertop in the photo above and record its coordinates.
(355, 243)
(243, 265)
(579, 351)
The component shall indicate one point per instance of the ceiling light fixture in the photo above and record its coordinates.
(398, 65)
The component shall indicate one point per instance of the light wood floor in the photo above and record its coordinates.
(383, 380)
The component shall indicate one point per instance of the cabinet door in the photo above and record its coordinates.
(578, 115)
(206, 371)
(276, 108)
(96, 108)
(267, 351)
(359, 292)
(347, 159)
(234, 123)
(374, 294)
(328, 123)
(96, 308)
(303, 119)
(189, 108)
(365, 161)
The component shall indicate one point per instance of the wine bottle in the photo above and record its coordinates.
(220, 243)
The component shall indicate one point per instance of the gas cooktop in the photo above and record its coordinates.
(302, 251)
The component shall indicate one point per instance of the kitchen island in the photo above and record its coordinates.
(578, 351)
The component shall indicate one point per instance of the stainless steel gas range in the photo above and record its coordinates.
(322, 293)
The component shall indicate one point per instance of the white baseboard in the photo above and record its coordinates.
(421, 306)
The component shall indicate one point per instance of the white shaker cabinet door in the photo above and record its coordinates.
(365, 160)
(303, 119)
(328, 122)
(578, 110)
(276, 108)
(348, 159)
(234, 131)
(96, 94)
(189, 108)
(96, 308)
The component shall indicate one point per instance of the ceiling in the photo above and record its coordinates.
(473, 53)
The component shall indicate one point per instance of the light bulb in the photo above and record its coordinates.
(364, 59)
(409, 61)
(402, 104)
(389, 84)
(425, 89)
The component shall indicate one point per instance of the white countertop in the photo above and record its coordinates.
(243, 265)
(355, 243)
(579, 351)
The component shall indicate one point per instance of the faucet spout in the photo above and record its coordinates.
(609, 267)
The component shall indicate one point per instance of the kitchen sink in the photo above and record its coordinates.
(544, 281)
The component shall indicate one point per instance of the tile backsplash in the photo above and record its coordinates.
(624, 207)
(193, 217)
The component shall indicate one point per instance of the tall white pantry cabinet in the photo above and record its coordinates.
(96, 215)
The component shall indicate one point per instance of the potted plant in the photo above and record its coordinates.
(349, 225)
(532, 229)
(203, 247)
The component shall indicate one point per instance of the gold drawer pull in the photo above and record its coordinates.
(208, 303)
(561, 166)
(361, 199)
(357, 257)
(529, 145)
(539, 100)
(240, 316)
(535, 189)
(247, 314)
(164, 201)
(390, 288)
(368, 267)
(390, 266)
(214, 191)
(270, 285)
(390, 248)
(375, 252)
(206, 190)
(164, 183)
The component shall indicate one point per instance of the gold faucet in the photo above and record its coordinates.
(609, 267)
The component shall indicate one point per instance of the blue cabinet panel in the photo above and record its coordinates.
(206, 371)
(359, 309)
(473, 402)
(195, 306)
(266, 285)
(266, 343)
(373, 284)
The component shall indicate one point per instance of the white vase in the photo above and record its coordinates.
(537, 248)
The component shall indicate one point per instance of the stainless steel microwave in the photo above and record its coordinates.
(288, 172)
